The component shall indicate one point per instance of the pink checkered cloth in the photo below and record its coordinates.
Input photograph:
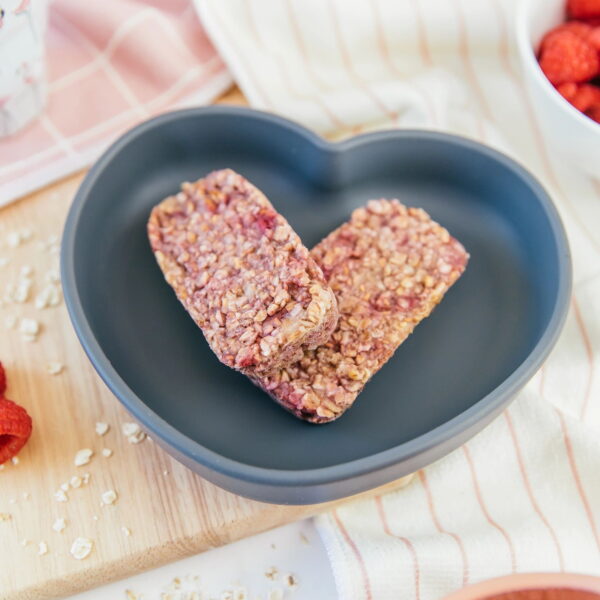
(111, 64)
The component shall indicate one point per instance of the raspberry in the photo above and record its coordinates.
(566, 57)
(585, 97)
(594, 112)
(2, 380)
(583, 9)
(582, 30)
(567, 90)
(15, 429)
(593, 38)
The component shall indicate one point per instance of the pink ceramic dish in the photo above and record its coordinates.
(533, 586)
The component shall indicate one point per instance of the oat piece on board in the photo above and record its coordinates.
(388, 267)
(242, 273)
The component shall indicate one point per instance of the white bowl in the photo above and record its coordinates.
(567, 130)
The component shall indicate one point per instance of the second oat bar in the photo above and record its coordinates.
(388, 266)
(241, 272)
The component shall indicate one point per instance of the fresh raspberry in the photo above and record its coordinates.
(566, 57)
(593, 38)
(583, 9)
(585, 97)
(594, 112)
(567, 90)
(580, 29)
(15, 429)
(2, 380)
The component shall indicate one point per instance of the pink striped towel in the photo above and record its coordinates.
(111, 64)
(524, 495)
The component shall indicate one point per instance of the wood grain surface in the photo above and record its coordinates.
(169, 511)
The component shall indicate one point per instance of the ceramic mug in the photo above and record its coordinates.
(22, 65)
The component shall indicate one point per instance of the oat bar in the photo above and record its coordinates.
(242, 273)
(388, 267)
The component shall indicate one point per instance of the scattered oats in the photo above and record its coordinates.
(102, 428)
(15, 460)
(53, 276)
(75, 482)
(275, 594)
(49, 295)
(54, 367)
(20, 293)
(26, 495)
(81, 548)
(26, 234)
(24, 542)
(86, 478)
(8, 293)
(10, 321)
(107, 452)
(25, 271)
(130, 595)
(13, 239)
(272, 573)
(83, 457)
(59, 524)
(136, 438)
(95, 517)
(130, 429)
(126, 531)
(12, 501)
(176, 583)
(109, 497)
(304, 538)
(291, 581)
(5, 517)
(240, 594)
(29, 328)
(65, 486)
(42, 548)
(4, 261)
(227, 595)
(134, 433)
(60, 496)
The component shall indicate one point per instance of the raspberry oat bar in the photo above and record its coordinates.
(388, 267)
(242, 273)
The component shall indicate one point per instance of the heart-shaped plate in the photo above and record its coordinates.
(457, 371)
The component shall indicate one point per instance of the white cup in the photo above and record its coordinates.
(22, 62)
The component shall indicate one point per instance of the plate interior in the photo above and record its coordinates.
(485, 327)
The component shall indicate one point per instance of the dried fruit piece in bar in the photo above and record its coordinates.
(388, 266)
(241, 272)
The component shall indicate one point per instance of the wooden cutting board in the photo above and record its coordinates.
(168, 511)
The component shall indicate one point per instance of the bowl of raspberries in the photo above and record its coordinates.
(559, 46)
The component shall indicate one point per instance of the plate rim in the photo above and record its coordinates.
(193, 450)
